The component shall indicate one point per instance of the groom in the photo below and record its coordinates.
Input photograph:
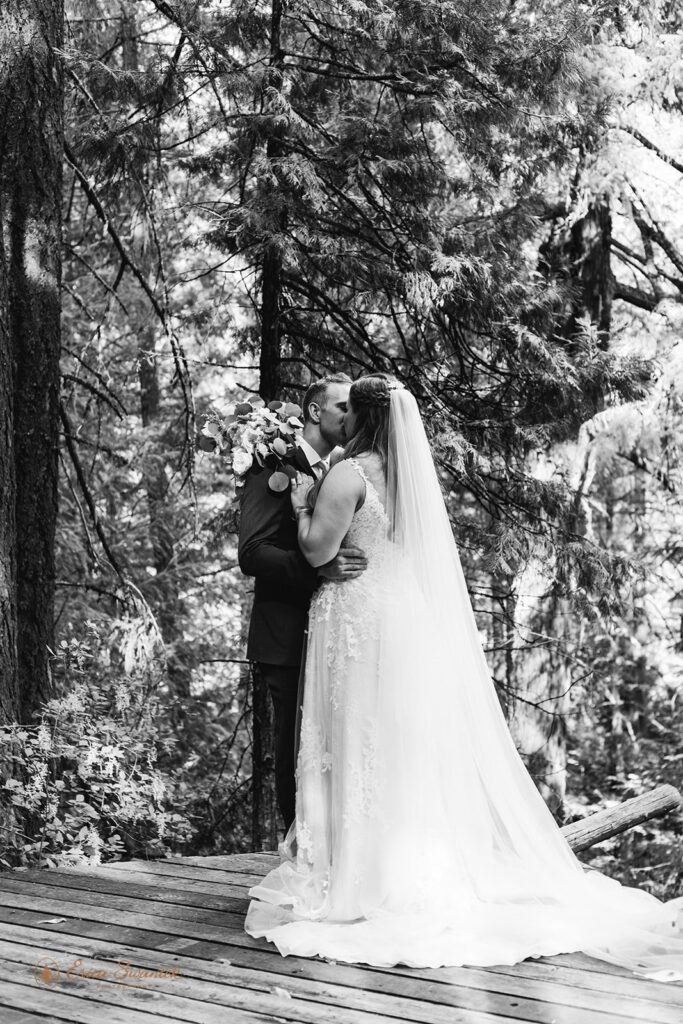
(268, 550)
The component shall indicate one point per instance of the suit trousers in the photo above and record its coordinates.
(283, 685)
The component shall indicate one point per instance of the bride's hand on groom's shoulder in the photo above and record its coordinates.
(347, 564)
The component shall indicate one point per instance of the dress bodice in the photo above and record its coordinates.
(351, 609)
(370, 524)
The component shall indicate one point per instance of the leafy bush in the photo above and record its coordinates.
(82, 784)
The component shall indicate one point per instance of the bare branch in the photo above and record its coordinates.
(85, 490)
(644, 141)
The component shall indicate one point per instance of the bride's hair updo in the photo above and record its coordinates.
(369, 398)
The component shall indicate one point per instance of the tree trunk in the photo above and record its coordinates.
(9, 679)
(271, 277)
(263, 802)
(31, 144)
(589, 249)
(581, 257)
(264, 815)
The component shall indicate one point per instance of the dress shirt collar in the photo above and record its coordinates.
(316, 463)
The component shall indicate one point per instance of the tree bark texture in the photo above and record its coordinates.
(264, 814)
(271, 275)
(602, 825)
(31, 146)
(9, 683)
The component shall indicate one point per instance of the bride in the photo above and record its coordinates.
(419, 837)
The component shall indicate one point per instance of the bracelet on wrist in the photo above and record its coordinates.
(303, 510)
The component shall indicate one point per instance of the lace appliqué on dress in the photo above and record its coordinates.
(349, 611)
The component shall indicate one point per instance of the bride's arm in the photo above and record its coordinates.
(322, 531)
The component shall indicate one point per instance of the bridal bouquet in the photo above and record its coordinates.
(255, 432)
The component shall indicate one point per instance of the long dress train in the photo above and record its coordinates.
(414, 842)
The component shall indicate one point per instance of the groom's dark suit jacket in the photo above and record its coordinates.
(268, 550)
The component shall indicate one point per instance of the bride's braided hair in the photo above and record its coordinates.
(369, 399)
(371, 390)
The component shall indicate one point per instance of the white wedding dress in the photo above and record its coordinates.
(419, 837)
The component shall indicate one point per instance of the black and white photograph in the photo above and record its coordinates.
(341, 506)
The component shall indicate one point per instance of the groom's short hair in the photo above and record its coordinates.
(317, 390)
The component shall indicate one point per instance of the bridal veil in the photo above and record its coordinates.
(479, 815)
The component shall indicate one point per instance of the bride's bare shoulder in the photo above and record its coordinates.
(373, 468)
(343, 476)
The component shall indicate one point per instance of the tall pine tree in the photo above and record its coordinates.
(31, 87)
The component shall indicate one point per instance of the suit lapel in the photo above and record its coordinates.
(302, 462)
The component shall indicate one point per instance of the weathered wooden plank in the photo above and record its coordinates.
(590, 965)
(217, 987)
(175, 869)
(13, 892)
(210, 895)
(190, 939)
(206, 1002)
(427, 1001)
(106, 938)
(188, 946)
(121, 931)
(10, 1015)
(202, 900)
(162, 881)
(210, 1002)
(60, 1006)
(595, 828)
(561, 969)
(237, 889)
(49, 908)
(248, 862)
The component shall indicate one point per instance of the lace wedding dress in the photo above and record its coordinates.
(419, 837)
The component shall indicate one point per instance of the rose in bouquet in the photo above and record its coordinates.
(256, 432)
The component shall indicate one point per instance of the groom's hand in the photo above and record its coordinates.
(346, 565)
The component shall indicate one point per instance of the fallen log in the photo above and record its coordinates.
(595, 828)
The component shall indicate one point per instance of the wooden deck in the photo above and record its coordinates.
(65, 934)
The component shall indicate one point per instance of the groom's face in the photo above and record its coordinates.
(332, 413)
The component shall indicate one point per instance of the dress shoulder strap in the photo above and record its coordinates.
(359, 469)
(371, 494)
